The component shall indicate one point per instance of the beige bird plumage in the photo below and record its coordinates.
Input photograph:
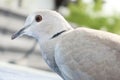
(74, 54)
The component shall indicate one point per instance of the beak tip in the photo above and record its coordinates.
(17, 34)
(12, 37)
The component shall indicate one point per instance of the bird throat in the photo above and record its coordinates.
(57, 34)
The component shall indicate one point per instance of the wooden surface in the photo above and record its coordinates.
(15, 72)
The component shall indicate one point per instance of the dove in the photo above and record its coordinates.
(74, 54)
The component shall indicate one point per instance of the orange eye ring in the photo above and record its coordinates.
(38, 18)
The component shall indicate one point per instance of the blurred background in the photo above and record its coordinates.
(97, 14)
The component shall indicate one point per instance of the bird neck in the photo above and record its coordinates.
(47, 48)
(52, 35)
(57, 34)
(47, 51)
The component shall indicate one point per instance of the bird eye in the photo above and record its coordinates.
(38, 18)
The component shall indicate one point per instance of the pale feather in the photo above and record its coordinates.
(87, 54)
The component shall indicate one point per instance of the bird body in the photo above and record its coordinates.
(86, 54)
(76, 54)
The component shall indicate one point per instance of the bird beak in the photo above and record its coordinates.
(18, 34)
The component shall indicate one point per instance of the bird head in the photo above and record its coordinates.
(43, 25)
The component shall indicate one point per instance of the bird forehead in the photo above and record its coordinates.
(29, 19)
(46, 15)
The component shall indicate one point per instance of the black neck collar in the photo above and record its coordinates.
(57, 34)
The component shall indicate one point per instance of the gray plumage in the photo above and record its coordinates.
(77, 54)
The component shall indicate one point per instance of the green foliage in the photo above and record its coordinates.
(98, 5)
(80, 16)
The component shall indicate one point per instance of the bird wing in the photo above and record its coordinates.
(87, 54)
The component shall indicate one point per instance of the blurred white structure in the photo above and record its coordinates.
(29, 5)
(110, 7)
(14, 72)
